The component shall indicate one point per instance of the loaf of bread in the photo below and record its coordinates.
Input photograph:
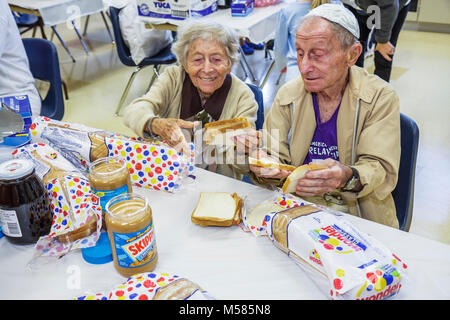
(217, 209)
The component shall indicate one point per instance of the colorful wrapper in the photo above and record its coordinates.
(344, 262)
(70, 198)
(285, 201)
(152, 164)
(155, 166)
(148, 286)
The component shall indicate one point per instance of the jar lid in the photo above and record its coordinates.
(99, 254)
(15, 168)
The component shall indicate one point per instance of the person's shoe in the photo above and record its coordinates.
(247, 50)
(256, 46)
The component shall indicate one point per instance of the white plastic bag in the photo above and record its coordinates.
(142, 42)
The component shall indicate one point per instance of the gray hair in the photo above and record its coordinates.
(194, 29)
(345, 37)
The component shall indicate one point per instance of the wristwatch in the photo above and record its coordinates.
(352, 182)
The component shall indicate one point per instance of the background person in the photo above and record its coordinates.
(337, 112)
(392, 16)
(15, 75)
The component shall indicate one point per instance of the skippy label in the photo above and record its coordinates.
(347, 263)
(106, 195)
(133, 248)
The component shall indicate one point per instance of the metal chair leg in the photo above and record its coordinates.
(155, 75)
(246, 63)
(269, 71)
(127, 88)
(107, 26)
(63, 42)
(80, 37)
(86, 25)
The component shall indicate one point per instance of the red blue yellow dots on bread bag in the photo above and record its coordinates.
(152, 286)
(156, 166)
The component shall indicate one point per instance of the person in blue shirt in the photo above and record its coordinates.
(287, 22)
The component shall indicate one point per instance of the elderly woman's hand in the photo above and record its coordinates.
(318, 182)
(169, 129)
(271, 173)
(248, 141)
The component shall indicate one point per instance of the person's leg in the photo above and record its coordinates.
(383, 67)
(363, 33)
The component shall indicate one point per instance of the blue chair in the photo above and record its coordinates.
(259, 116)
(404, 191)
(165, 56)
(44, 65)
(259, 99)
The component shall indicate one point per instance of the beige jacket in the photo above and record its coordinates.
(164, 100)
(376, 154)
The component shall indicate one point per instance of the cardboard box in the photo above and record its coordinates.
(241, 8)
(176, 9)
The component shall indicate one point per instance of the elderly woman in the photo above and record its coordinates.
(337, 114)
(200, 88)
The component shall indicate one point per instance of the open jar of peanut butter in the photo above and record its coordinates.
(108, 178)
(131, 234)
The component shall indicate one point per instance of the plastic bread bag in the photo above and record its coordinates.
(254, 211)
(152, 286)
(76, 213)
(78, 143)
(153, 165)
(345, 262)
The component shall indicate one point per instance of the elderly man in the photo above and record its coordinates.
(338, 114)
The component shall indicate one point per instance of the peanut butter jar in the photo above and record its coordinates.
(131, 234)
(108, 178)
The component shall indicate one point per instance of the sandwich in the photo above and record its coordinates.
(222, 132)
(269, 163)
(290, 184)
(221, 209)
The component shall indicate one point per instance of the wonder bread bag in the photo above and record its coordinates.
(152, 164)
(76, 212)
(78, 143)
(345, 262)
(152, 286)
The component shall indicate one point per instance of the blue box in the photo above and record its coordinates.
(21, 105)
(241, 8)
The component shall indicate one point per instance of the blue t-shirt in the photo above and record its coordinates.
(324, 141)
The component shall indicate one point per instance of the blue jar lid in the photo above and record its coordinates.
(100, 253)
(1, 233)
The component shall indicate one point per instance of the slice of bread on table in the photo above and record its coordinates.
(221, 209)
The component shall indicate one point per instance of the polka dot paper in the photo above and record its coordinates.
(356, 265)
(71, 209)
(152, 165)
(151, 286)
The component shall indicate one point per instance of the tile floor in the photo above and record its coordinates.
(420, 76)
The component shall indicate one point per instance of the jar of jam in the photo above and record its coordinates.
(131, 234)
(108, 178)
(24, 209)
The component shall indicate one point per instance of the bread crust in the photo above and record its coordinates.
(270, 164)
(297, 174)
(211, 221)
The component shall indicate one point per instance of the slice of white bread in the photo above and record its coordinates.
(221, 132)
(290, 184)
(217, 209)
(256, 216)
(269, 163)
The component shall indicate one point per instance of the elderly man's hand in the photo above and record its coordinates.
(386, 50)
(318, 182)
(169, 129)
(248, 141)
(271, 173)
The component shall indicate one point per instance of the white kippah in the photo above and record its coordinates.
(339, 14)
